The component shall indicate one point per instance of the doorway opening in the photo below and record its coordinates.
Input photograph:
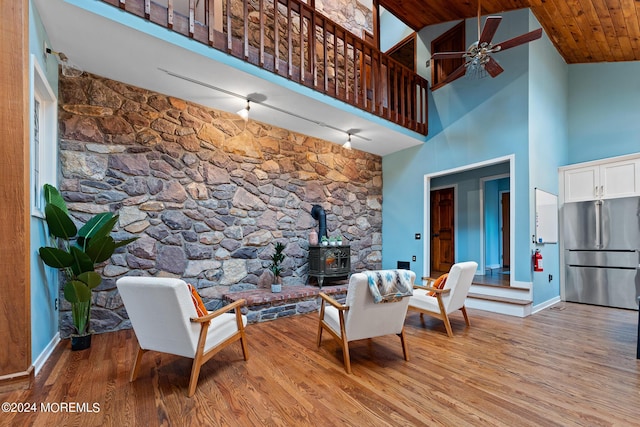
(496, 228)
(471, 232)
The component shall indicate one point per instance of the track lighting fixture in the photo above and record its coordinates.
(69, 69)
(347, 144)
(260, 100)
(244, 113)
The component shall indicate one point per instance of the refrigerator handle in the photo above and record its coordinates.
(598, 224)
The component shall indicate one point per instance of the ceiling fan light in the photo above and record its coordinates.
(475, 70)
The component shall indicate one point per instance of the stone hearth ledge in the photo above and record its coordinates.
(263, 305)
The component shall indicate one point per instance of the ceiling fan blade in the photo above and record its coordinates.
(493, 68)
(448, 55)
(489, 29)
(517, 41)
(457, 73)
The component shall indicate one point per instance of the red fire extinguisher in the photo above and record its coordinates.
(537, 261)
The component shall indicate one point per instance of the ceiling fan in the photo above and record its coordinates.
(478, 59)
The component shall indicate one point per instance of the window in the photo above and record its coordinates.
(450, 41)
(43, 137)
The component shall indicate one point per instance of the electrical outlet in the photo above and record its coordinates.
(418, 236)
(413, 258)
(56, 304)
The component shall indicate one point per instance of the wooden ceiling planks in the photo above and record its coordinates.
(583, 31)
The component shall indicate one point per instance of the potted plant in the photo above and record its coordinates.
(339, 240)
(76, 253)
(324, 241)
(276, 267)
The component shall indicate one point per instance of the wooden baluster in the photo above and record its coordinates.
(336, 85)
(345, 55)
(245, 20)
(121, 4)
(261, 17)
(289, 40)
(302, 54)
(170, 14)
(229, 28)
(147, 9)
(192, 17)
(357, 72)
(312, 51)
(396, 93)
(325, 85)
(276, 37)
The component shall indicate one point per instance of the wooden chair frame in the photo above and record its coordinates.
(442, 315)
(201, 357)
(342, 338)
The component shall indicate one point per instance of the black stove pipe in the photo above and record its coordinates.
(317, 212)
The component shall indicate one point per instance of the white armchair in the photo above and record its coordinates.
(165, 319)
(360, 317)
(448, 299)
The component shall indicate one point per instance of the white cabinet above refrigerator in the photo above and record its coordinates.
(602, 180)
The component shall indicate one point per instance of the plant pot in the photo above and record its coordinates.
(276, 287)
(80, 342)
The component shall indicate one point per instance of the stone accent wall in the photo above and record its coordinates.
(207, 194)
(352, 15)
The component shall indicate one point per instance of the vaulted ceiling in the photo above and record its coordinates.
(582, 30)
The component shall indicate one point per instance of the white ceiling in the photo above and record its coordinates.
(117, 51)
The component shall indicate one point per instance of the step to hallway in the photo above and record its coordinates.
(509, 300)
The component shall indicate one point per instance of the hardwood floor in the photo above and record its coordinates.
(570, 365)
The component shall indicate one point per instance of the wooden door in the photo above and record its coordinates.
(506, 230)
(442, 230)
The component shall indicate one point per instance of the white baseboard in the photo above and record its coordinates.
(539, 307)
(42, 358)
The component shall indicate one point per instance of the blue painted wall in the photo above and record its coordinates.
(44, 289)
(392, 30)
(469, 122)
(603, 118)
(548, 150)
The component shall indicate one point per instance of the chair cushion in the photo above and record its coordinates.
(197, 301)
(439, 284)
(422, 300)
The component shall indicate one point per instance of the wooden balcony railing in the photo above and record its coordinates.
(289, 38)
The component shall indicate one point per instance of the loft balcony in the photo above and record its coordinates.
(302, 46)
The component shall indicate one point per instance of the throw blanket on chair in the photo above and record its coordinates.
(389, 286)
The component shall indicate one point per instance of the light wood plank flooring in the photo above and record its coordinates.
(571, 365)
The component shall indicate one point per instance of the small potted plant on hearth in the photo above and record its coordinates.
(276, 267)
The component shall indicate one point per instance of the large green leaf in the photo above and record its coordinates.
(100, 249)
(56, 258)
(98, 226)
(81, 262)
(75, 291)
(91, 279)
(51, 195)
(125, 242)
(59, 223)
(80, 312)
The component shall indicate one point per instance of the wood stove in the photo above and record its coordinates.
(329, 262)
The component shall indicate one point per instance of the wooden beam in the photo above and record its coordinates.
(15, 297)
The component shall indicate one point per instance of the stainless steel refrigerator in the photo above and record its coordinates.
(602, 252)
